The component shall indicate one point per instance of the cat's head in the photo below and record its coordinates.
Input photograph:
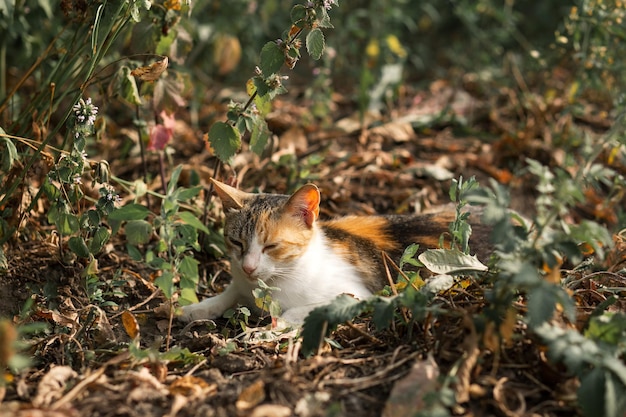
(267, 233)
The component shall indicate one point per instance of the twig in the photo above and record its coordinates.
(136, 306)
(401, 272)
(73, 393)
(363, 333)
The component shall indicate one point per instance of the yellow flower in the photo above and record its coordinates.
(373, 49)
(395, 46)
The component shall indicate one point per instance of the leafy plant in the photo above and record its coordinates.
(238, 317)
(263, 299)
(177, 236)
(225, 137)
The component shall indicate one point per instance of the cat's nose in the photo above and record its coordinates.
(249, 269)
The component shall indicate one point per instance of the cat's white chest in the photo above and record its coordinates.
(317, 278)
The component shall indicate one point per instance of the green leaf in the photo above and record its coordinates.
(190, 219)
(298, 13)
(128, 87)
(272, 59)
(78, 246)
(322, 320)
(187, 296)
(174, 179)
(384, 310)
(591, 393)
(188, 269)
(225, 140)
(323, 19)
(259, 136)
(186, 194)
(138, 232)
(450, 261)
(133, 252)
(9, 153)
(408, 256)
(130, 212)
(315, 43)
(541, 304)
(100, 238)
(166, 283)
(67, 223)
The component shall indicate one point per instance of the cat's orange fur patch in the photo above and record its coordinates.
(371, 228)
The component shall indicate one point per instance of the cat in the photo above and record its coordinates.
(281, 240)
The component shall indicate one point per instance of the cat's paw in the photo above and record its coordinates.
(296, 315)
(199, 311)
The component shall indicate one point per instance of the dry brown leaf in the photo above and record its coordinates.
(191, 386)
(271, 410)
(407, 394)
(396, 131)
(8, 336)
(130, 324)
(52, 385)
(251, 396)
(151, 72)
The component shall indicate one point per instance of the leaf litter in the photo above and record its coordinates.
(103, 361)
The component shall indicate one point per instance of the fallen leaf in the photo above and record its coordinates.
(271, 410)
(407, 394)
(191, 386)
(151, 72)
(130, 324)
(251, 396)
(52, 385)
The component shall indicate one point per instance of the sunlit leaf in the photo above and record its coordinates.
(165, 282)
(450, 261)
(225, 140)
(188, 269)
(187, 296)
(130, 212)
(315, 43)
(192, 220)
(128, 87)
(272, 58)
(130, 324)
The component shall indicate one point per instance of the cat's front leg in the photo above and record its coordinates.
(296, 315)
(211, 308)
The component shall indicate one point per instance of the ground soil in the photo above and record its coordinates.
(90, 362)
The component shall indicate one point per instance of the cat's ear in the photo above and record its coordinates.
(305, 204)
(231, 197)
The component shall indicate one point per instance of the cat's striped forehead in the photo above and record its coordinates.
(244, 222)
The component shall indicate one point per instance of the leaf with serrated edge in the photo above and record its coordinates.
(342, 309)
(271, 59)
(315, 43)
(225, 140)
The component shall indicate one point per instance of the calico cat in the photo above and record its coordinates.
(280, 240)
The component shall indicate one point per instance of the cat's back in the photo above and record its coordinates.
(361, 240)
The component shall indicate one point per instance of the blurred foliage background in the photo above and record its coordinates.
(217, 42)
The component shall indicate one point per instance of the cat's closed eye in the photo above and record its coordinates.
(269, 247)
(237, 243)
